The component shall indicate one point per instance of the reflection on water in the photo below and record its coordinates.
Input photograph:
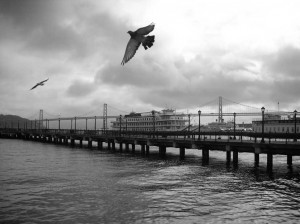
(58, 184)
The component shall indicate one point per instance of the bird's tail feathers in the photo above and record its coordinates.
(148, 42)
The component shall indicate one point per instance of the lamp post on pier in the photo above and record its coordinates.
(189, 116)
(234, 115)
(120, 123)
(153, 116)
(295, 127)
(263, 124)
(199, 114)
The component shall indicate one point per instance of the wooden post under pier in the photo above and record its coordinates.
(257, 151)
(235, 158)
(143, 152)
(100, 144)
(90, 143)
(269, 162)
(162, 151)
(205, 156)
(182, 152)
(72, 142)
(289, 160)
(228, 155)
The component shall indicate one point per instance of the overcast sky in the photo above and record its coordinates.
(246, 51)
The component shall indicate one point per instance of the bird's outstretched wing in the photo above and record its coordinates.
(131, 48)
(44, 81)
(35, 86)
(145, 30)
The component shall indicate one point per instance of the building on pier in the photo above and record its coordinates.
(166, 120)
(277, 124)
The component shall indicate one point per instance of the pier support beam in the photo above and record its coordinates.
(235, 158)
(108, 145)
(100, 144)
(289, 160)
(205, 156)
(113, 146)
(90, 143)
(269, 162)
(133, 148)
(80, 142)
(256, 159)
(121, 147)
(228, 155)
(126, 147)
(228, 158)
(143, 150)
(162, 151)
(257, 151)
(72, 142)
(147, 150)
(182, 152)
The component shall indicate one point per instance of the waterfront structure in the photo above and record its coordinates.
(166, 120)
(277, 124)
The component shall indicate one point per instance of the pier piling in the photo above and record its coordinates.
(269, 162)
(205, 156)
(289, 160)
(235, 158)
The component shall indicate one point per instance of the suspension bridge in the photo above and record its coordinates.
(217, 110)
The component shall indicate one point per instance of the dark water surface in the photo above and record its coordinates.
(45, 183)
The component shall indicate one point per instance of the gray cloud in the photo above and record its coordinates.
(284, 63)
(80, 89)
(147, 73)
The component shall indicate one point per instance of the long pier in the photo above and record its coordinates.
(232, 143)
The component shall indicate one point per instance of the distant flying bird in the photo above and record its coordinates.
(39, 84)
(138, 37)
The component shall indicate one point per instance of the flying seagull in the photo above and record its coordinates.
(136, 38)
(39, 84)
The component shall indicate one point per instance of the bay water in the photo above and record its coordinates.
(48, 183)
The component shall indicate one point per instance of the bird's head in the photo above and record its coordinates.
(130, 33)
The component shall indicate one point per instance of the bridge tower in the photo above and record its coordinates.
(220, 110)
(41, 118)
(105, 117)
